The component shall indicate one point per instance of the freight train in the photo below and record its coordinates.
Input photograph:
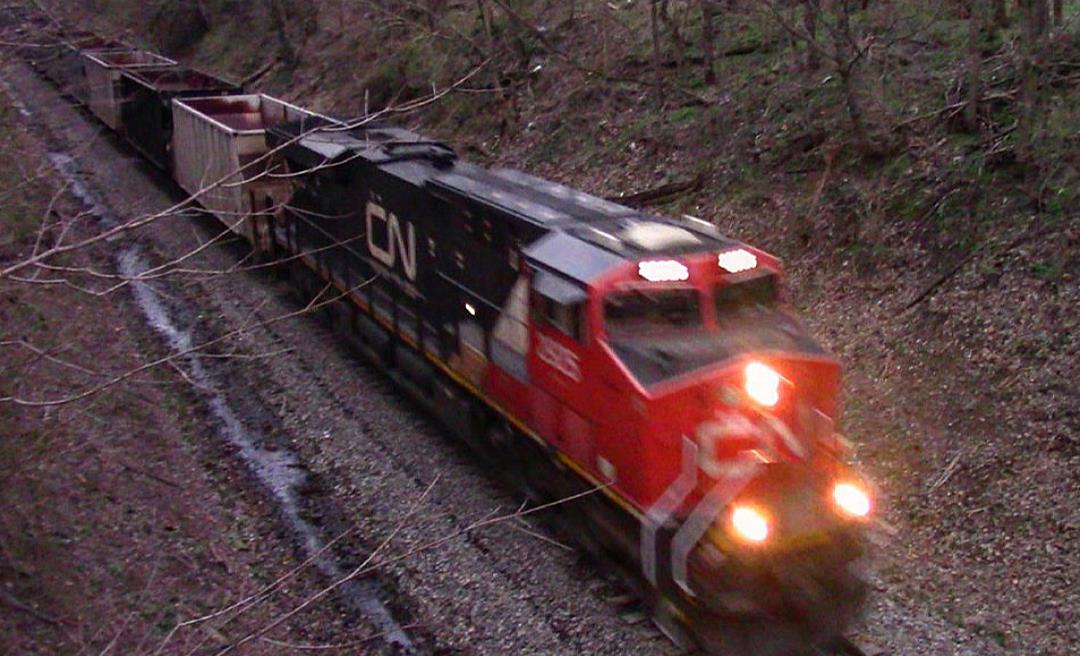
(576, 344)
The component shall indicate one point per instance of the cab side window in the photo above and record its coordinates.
(566, 318)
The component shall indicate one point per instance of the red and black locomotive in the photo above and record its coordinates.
(576, 343)
(590, 344)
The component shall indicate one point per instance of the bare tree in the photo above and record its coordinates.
(707, 38)
(673, 25)
(433, 10)
(1000, 13)
(654, 23)
(1035, 18)
(846, 52)
(849, 54)
(973, 61)
(811, 9)
(279, 18)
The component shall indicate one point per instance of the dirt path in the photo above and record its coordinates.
(372, 456)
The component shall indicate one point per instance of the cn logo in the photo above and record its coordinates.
(397, 245)
(714, 456)
(558, 357)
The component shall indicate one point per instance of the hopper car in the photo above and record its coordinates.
(648, 367)
(64, 63)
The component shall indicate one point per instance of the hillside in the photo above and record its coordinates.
(936, 251)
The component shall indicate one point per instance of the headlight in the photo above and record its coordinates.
(851, 499)
(762, 384)
(749, 525)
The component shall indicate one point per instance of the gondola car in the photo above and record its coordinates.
(647, 367)
(102, 70)
(590, 344)
(63, 65)
(220, 156)
(146, 112)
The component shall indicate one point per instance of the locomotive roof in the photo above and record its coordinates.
(592, 234)
(572, 257)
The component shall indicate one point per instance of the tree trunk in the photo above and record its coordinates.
(1059, 12)
(672, 24)
(279, 18)
(1041, 9)
(434, 8)
(973, 62)
(489, 32)
(654, 19)
(849, 80)
(1033, 14)
(1001, 14)
(849, 66)
(811, 9)
(707, 41)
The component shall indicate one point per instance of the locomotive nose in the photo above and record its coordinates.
(790, 506)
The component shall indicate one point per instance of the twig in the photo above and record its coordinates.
(370, 564)
(950, 469)
(292, 646)
(259, 73)
(194, 349)
(250, 601)
(943, 278)
(520, 526)
(18, 604)
(173, 210)
(661, 193)
(149, 474)
(357, 571)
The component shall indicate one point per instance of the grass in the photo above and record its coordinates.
(20, 186)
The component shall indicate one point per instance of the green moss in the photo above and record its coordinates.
(1049, 270)
(684, 115)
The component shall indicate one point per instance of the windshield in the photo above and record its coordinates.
(735, 301)
(749, 319)
(646, 310)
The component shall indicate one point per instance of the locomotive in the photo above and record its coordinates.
(646, 367)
